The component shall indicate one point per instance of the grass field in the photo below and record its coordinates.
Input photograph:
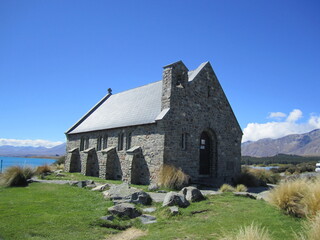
(49, 211)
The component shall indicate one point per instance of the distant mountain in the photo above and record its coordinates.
(307, 144)
(13, 151)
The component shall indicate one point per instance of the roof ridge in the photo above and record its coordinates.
(136, 88)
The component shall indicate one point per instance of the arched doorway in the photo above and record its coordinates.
(206, 154)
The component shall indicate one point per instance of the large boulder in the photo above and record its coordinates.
(192, 194)
(124, 210)
(101, 188)
(140, 198)
(175, 199)
(124, 193)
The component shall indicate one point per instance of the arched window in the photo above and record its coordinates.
(120, 141)
(99, 143)
(82, 144)
(105, 141)
(129, 136)
(87, 143)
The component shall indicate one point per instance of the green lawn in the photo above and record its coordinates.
(49, 211)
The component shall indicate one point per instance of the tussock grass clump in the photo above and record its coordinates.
(172, 177)
(226, 188)
(299, 197)
(311, 199)
(43, 170)
(241, 188)
(311, 229)
(252, 232)
(16, 176)
(257, 177)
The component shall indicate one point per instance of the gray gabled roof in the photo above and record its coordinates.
(137, 106)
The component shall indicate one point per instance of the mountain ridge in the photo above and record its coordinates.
(305, 144)
(27, 151)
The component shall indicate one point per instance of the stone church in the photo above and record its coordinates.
(183, 120)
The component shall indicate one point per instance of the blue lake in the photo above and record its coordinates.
(14, 161)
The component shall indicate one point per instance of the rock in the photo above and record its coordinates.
(149, 210)
(124, 210)
(60, 175)
(192, 194)
(124, 193)
(107, 218)
(57, 171)
(175, 199)
(119, 191)
(101, 188)
(246, 194)
(82, 184)
(174, 210)
(153, 187)
(140, 198)
(161, 191)
(263, 195)
(91, 186)
(147, 219)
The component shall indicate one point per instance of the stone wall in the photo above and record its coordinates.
(112, 163)
(196, 106)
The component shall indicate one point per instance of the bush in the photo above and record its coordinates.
(16, 176)
(172, 177)
(43, 170)
(252, 232)
(311, 229)
(311, 200)
(226, 188)
(257, 177)
(299, 197)
(241, 188)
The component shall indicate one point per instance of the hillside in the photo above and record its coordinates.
(13, 151)
(307, 144)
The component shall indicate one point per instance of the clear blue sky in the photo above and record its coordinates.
(58, 58)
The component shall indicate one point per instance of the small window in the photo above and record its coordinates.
(129, 136)
(105, 141)
(209, 91)
(82, 144)
(99, 143)
(179, 80)
(120, 141)
(184, 141)
(87, 143)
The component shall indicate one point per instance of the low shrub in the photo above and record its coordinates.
(299, 197)
(311, 199)
(252, 232)
(16, 176)
(43, 170)
(226, 188)
(241, 188)
(172, 177)
(311, 229)
(252, 177)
